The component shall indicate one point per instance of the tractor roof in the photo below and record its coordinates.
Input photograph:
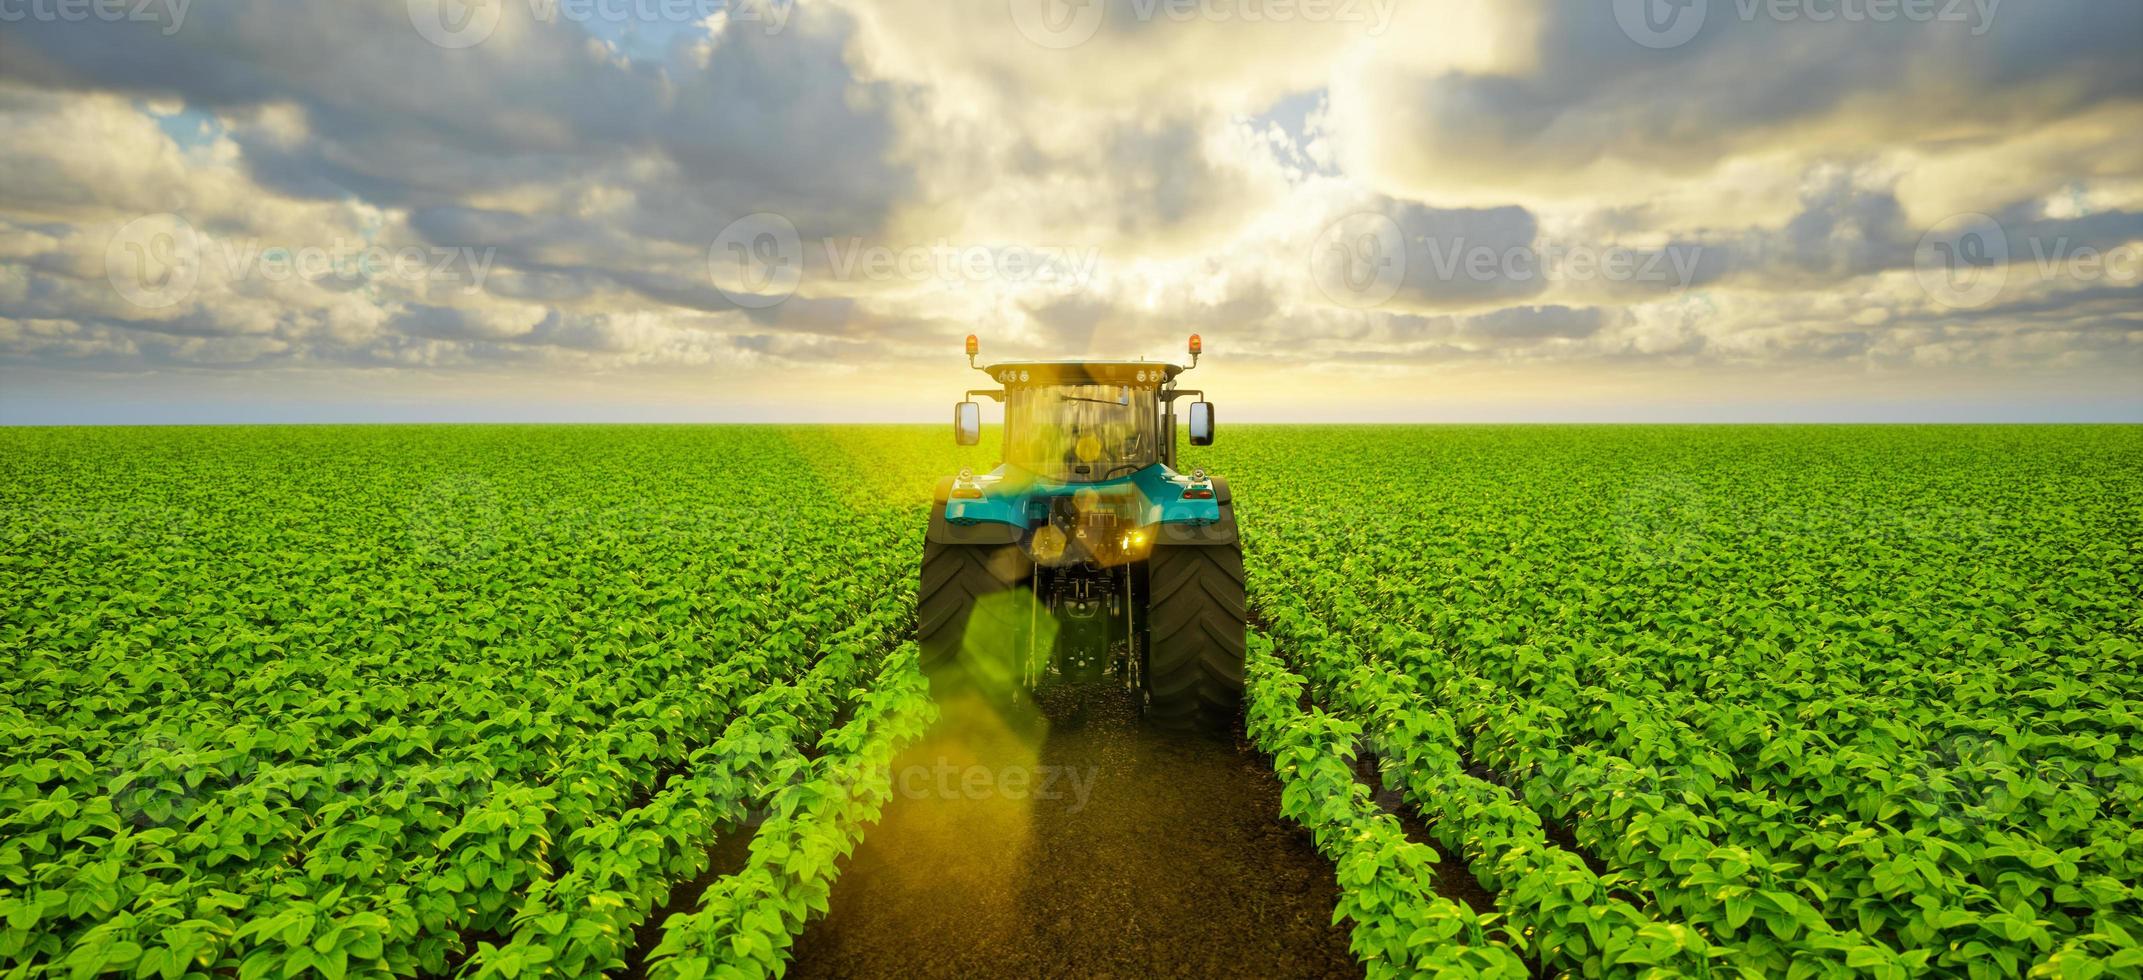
(1083, 372)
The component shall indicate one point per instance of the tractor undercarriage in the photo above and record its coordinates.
(1093, 608)
(1088, 553)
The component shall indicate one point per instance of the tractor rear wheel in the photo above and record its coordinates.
(973, 609)
(1197, 613)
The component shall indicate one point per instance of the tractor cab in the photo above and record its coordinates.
(1086, 510)
(1086, 421)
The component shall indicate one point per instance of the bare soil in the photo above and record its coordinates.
(1079, 843)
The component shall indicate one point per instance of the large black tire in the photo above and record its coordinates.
(971, 620)
(1197, 617)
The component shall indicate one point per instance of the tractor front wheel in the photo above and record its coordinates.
(1196, 614)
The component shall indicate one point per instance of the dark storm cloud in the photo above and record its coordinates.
(451, 323)
(1165, 177)
(2114, 307)
(1747, 77)
(1069, 322)
(535, 121)
(765, 121)
(1842, 232)
(1531, 323)
(535, 286)
(361, 69)
(1466, 256)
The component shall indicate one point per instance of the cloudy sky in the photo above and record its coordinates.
(233, 210)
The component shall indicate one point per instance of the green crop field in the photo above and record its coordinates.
(285, 702)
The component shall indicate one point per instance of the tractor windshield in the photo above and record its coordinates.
(1081, 433)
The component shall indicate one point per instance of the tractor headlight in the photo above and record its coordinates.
(1023, 376)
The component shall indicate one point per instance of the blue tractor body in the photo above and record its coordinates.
(1087, 550)
(1153, 495)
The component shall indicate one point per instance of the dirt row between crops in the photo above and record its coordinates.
(1091, 847)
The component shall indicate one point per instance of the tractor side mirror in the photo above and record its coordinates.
(1201, 423)
(967, 423)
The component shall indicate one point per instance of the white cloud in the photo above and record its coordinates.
(563, 190)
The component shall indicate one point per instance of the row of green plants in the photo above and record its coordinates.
(1989, 904)
(1834, 700)
(617, 870)
(1708, 908)
(1964, 898)
(1402, 925)
(350, 701)
(1748, 701)
(1561, 911)
(745, 923)
(2056, 777)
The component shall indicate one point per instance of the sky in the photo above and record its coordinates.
(1371, 210)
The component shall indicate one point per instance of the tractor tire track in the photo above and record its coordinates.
(1107, 849)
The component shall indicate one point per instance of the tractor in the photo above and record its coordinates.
(1088, 552)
